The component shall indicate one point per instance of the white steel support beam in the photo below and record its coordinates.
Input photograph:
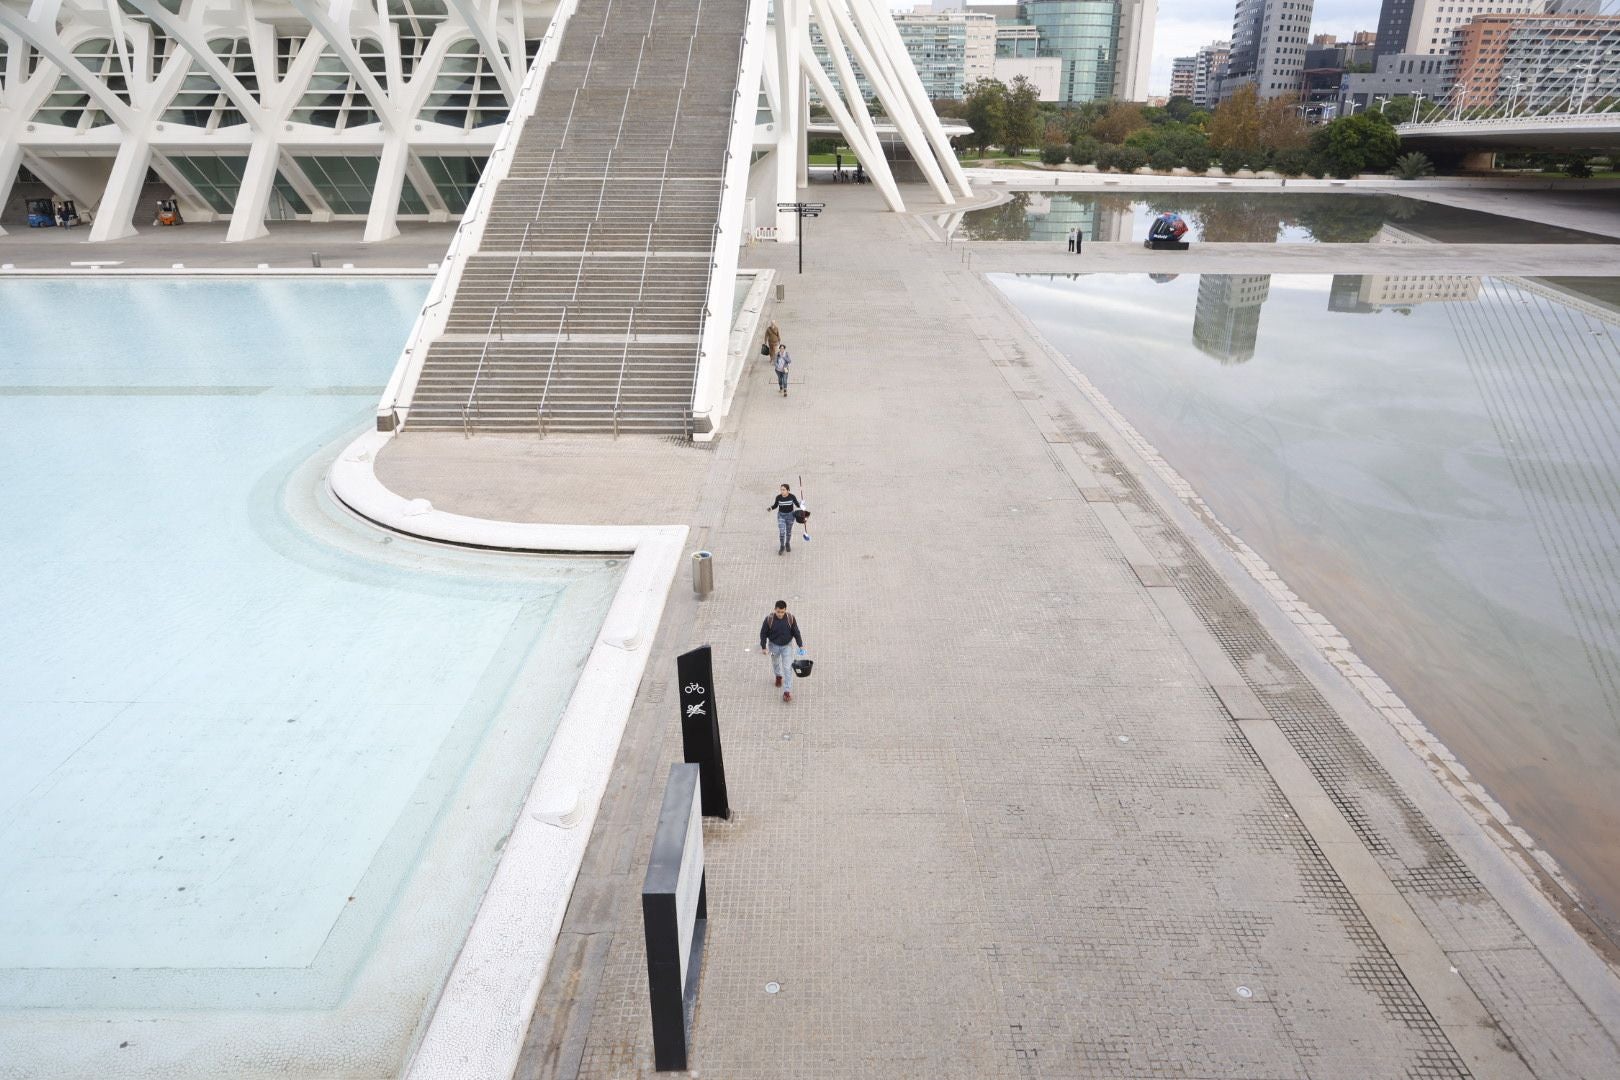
(789, 133)
(43, 37)
(253, 196)
(10, 162)
(873, 51)
(277, 99)
(343, 46)
(116, 212)
(189, 34)
(482, 25)
(911, 85)
(382, 220)
(868, 151)
(115, 216)
(865, 140)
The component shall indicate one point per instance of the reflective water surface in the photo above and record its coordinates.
(1433, 462)
(1336, 217)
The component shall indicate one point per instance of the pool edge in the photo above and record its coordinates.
(477, 1026)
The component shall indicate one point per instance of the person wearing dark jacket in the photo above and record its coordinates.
(777, 635)
(786, 505)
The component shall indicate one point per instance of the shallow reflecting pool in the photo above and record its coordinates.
(1433, 462)
(257, 762)
(1250, 217)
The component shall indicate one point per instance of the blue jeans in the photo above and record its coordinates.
(782, 663)
(781, 378)
(784, 530)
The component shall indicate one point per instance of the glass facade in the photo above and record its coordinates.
(68, 105)
(345, 182)
(454, 177)
(466, 94)
(201, 103)
(334, 99)
(1085, 34)
(218, 179)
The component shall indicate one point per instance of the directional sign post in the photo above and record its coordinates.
(700, 727)
(804, 210)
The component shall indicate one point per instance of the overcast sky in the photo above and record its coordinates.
(1184, 25)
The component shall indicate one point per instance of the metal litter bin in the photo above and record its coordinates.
(702, 573)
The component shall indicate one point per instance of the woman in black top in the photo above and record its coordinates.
(786, 505)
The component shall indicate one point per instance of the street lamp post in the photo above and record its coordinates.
(803, 210)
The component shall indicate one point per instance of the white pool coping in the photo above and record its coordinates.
(477, 1028)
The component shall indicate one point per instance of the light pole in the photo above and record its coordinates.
(803, 210)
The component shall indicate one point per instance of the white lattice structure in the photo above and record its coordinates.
(859, 34)
(377, 110)
(365, 109)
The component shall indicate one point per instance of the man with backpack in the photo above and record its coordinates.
(777, 635)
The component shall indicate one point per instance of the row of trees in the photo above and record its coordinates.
(1244, 132)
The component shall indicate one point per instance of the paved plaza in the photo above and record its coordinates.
(1072, 791)
(1068, 793)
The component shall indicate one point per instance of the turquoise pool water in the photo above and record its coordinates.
(1433, 462)
(232, 721)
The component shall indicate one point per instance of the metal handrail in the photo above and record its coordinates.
(624, 365)
(646, 262)
(495, 318)
(545, 391)
(584, 249)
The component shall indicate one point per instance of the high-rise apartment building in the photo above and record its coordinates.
(1211, 61)
(1434, 21)
(1268, 47)
(950, 50)
(1535, 62)
(1183, 76)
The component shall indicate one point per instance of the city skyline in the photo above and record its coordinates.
(1182, 26)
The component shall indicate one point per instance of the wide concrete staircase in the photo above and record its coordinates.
(583, 308)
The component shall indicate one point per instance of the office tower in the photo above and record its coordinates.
(1226, 321)
(1106, 45)
(1268, 47)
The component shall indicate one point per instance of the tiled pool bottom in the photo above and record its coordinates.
(1282, 217)
(259, 761)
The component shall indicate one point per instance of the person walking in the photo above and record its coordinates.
(781, 362)
(1072, 233)
(773, 338)
(777, 635)
(787, 508)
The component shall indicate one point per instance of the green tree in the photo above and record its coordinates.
(1349, 145)
(1054, 154)
(1413, 166)
(985, 110)
(1023, 124)
(1083, 151)
(1179, 109)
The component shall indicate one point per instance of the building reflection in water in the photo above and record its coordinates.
(1226, 322)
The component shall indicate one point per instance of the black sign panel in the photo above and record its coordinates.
(700, 727)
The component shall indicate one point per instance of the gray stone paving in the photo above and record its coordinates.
(202, 246)
(1009, 828)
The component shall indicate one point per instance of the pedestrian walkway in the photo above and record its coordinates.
(1056, 801)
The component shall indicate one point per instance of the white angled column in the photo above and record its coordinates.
(382, 220)
(10, 162)
(253, 196)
